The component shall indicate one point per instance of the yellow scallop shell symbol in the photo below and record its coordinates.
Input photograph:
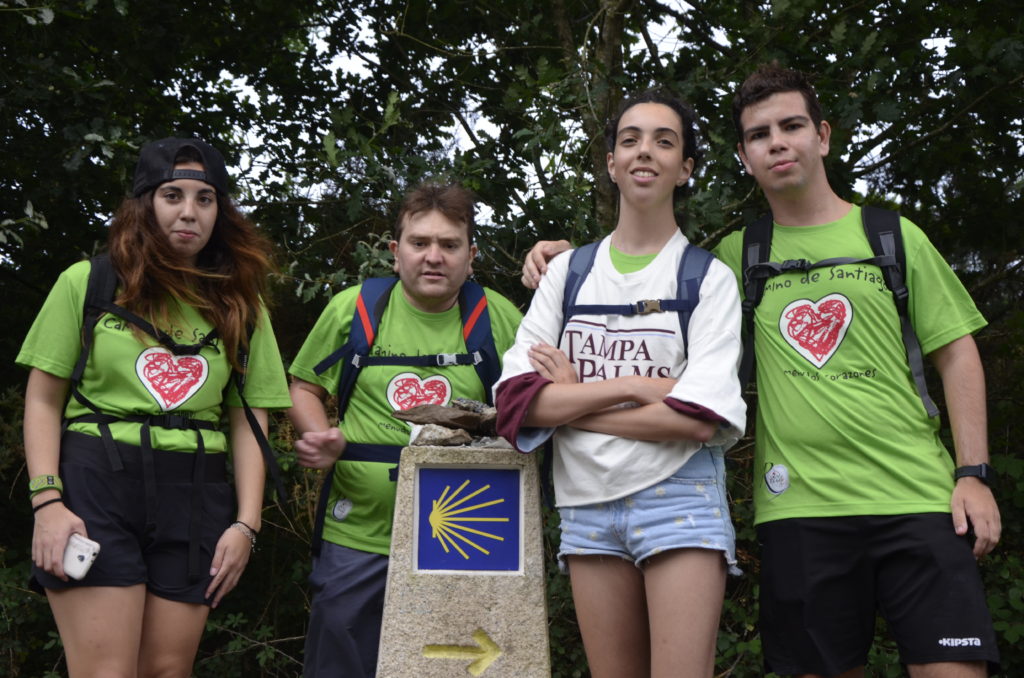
(446, 518)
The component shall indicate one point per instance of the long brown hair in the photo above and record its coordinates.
(225, 286)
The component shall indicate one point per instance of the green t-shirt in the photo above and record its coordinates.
(362, 498)
(629, 263)
(125, 377)
(841, 429)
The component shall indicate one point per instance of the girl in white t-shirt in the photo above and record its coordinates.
(640, 417)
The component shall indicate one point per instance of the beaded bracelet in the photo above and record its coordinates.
(247, 531)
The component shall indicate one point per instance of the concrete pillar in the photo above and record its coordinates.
(465, 592)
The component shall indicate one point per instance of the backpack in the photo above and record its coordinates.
(693, 266)
(373, 298)
(99, 299)
(882, 228)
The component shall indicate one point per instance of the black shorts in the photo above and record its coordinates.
(113, 506)
(824, 580)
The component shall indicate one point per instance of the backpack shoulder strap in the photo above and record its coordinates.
(757, 247)
(254, 425)
(882, 228)
(478, 335)
(692, 268)
(580, 262)
(370, 304)
(99, 292)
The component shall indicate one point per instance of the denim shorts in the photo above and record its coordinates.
(686, 510)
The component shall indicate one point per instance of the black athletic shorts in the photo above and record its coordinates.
(823, 580)
(113, 506)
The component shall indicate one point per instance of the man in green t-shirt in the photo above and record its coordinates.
(856, 505)
(859, 509)
(433, 251)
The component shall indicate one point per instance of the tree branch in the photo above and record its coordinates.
(651, 47)
(935, 132)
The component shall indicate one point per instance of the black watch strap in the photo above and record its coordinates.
(983, 472)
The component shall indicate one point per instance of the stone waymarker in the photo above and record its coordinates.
(465, 593)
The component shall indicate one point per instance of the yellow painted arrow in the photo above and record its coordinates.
(484, 654)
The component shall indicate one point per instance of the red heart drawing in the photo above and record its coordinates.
(408, 390)
(816, 328)
(171, 379)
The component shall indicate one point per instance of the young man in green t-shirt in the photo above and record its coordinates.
(858, 506)
(433, 251)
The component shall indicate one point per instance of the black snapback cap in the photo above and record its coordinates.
(156, 165)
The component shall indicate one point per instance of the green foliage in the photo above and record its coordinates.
(509, 97)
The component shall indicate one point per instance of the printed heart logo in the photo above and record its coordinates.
(408, 390)
(169, 378)
(816, 328)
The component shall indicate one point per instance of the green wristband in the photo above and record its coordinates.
(43, 483)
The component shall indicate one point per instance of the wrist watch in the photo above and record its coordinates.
(982, 472)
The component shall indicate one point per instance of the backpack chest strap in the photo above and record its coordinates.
(769, 269)
(642, 307)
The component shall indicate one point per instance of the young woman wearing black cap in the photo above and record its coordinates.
(135, 459)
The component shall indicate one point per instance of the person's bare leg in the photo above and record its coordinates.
(99, 627)
(171, 632)
(685, 589)
(609, 596)
(949, 670)
(852, 673)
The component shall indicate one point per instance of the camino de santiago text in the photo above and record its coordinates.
(598, 356)
(868, 274)
(194, 335)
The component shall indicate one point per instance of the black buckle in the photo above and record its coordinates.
(795, 265)
(645, 306)
(185, 349)
(175, 421)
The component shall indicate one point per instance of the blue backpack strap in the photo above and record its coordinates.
(479, 338)
(373, 298)
(689, 277)
(693, 266)
(882, 228)
(580, 262)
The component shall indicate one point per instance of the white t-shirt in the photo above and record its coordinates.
(591, 467)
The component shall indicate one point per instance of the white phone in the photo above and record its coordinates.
(79, 555)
